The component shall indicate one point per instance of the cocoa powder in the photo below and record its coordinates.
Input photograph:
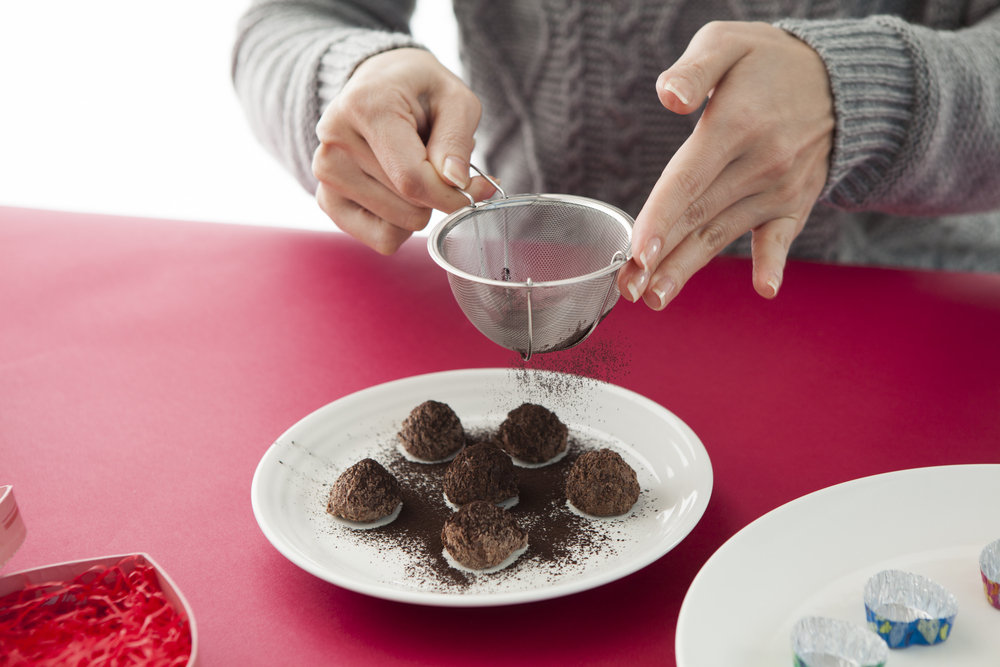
(557, 537)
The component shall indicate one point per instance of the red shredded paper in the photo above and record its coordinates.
(114, 616)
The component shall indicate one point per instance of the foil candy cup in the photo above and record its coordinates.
(989, 567)
(818, 641)
(905, 608)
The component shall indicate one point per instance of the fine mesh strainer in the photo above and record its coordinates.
(536, 272)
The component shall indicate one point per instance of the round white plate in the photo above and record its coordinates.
(812, 556)
(292, 480)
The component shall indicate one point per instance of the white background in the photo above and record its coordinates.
(127, 107)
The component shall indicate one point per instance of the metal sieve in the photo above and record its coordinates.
(534, 272)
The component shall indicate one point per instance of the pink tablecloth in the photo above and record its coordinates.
(146, 366)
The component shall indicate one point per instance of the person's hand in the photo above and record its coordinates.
(393, 145)
(756, 161)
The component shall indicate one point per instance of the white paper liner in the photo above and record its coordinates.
(368, 525)
(521, 463)
(503, 504)
(593, 517)
(413, 459)
(487, 570)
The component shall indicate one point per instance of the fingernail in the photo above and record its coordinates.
(649, 253)
(679, 91)
(457, 171)
(773, 283)
(637, 285)
(663, 292)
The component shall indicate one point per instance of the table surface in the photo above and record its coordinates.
(147, 365)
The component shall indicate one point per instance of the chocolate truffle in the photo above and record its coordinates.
(432, 432)
(480, 472)
(482, 535)
(532, 433)
(601, 483)
(364, 492)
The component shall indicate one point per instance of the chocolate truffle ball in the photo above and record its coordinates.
(480, 472)
(532, 433)
(600, 483)
(364, 492)
(432, 432)
(482, 535)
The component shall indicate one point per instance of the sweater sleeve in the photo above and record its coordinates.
(291, 57)
(917, 114)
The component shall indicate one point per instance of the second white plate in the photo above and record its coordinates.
(812, 557)
(293, 477)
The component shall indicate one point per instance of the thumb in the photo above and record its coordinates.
(712, 52)
(452, 137)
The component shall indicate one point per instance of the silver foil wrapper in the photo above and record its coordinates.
(989, 568)
(906, 608)
(829, 642)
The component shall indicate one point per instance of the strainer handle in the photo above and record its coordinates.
(472, 200)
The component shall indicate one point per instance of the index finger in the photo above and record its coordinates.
(401, 153)
(702, 157)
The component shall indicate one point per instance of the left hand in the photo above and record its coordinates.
(756, 161)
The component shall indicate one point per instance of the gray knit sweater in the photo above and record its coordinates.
(569, 104)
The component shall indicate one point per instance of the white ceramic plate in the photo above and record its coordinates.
(294, 476)
(813, 556)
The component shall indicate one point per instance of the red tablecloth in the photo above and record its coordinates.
(146, 366)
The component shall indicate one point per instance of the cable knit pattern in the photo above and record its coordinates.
(569, 104)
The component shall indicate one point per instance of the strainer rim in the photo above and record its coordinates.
(450, 220)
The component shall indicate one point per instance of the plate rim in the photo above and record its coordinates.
(445, 599)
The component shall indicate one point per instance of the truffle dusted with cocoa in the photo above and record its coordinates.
(432, 432)
(364, 492)
(481, 471)
(482, 535)
(601, 483)
(533, 434)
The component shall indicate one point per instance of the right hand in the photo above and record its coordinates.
(394, 144)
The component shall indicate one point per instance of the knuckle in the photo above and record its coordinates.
(713, 236)
(407, 183)
(333, 123)
(320, 163)
(715, 30)
(356, 100)
(386, 239)
(690, 184)
(776, 238)
(331, 204)
(414, 219)
(721, 31)
(695, 215)
(783, 240)
(696, 74)
(467, 99)
(326, 159)
(781, 158)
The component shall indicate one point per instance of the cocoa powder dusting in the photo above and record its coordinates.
(557, 537)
